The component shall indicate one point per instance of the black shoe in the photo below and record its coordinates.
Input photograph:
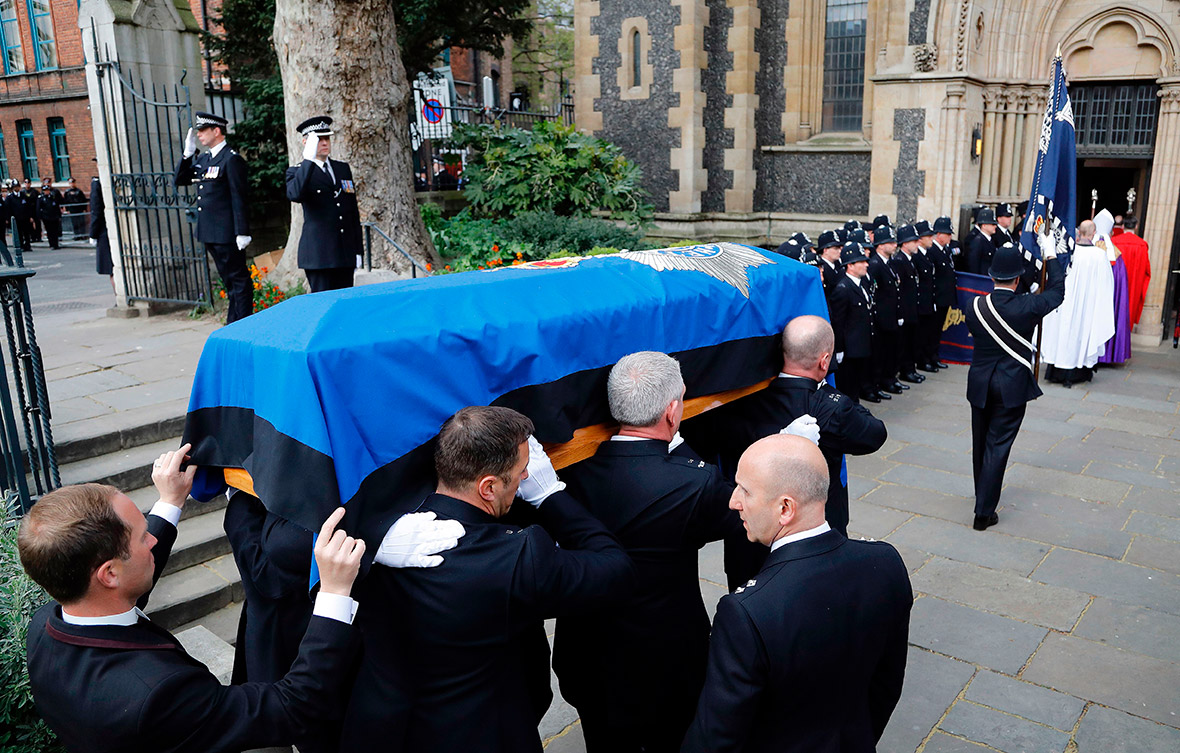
(982, 522)
(883, 396)
(941, 365)
(894, 388)
(900, 386)
(928, 368)
(913, 377)
(872, 397)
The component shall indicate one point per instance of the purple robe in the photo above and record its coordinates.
(1118, 348)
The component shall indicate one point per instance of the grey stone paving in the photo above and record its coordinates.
(1056, 630)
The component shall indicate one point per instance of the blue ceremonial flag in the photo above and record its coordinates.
(1053, 202)
(336, 397)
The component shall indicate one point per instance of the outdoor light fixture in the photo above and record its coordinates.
(976, 143)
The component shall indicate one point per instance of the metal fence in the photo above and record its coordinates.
(75, 221)
(416, 268)
(26, 439)
(438, 166)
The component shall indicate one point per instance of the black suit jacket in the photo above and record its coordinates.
(979, 252)
(852, 320)
(49, 205)
(447, 663)
(907, 298)
(990, 363)
(98, 215)
(1001, 236)
(222, 194)
(113, 689)
(925, 270)
(886, 290)
(944, 275)
(331, 236)
(644, 660)
(810, 655)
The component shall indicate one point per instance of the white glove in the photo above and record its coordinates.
(311, 145)
(839, 358)
(542, 480)
(191, 145)
(805, 426)
(1047, 245)
(415, 540)
(94, 241)
(901, 322)
(676, 441)
(1034, 287)
(243, 241)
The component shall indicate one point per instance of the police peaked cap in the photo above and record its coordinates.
(1003, 210)
(985, 217)
(852, 253)
(883, 235)
(1007, 263)
(827, 239)
(320, 125)
(923, 228)
(906, 233)
(943, 225)
(209, 120)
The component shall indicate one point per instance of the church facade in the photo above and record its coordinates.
(753, 119)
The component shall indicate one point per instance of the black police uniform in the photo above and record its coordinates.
(103, 263)
(49, 212)
(810, 654)
(25, 206)
(945, 295)
(907, 310)
(925, 356)
(886, 293)
(222, 215)
(852, 323)
(831, 271)
(998, 386)
(979, 251)
(634, 672)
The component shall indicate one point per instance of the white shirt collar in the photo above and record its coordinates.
(213, 152)
(984, 233)
(130, 617)
(855, 280)
(628, 438)
(785, 375)
(831, 264)
(800, 535)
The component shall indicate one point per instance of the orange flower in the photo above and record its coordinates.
(265, 270)
(495, 248)
(429, 267)
(519, 255)
(447, 267)
(222, 293)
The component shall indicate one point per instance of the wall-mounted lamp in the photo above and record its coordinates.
(976, 143)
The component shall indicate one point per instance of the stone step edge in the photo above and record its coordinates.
(118, 438)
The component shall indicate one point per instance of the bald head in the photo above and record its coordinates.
(807, 347)
(1086, 230)
(782, 486)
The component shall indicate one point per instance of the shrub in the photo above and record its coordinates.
(266, 293)
(552, 168)
(549, 234)
(21, 729)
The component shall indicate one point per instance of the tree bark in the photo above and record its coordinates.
(341, 58)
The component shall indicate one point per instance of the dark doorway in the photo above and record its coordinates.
(1112, 178)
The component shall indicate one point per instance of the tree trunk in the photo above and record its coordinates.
(340, 58)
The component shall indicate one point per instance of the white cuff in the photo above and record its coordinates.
(335, 607)
(168, 512)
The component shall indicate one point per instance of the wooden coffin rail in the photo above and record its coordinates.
(584, 443)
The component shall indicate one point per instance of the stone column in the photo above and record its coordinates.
(1159, 230)
(739, 84)
(1007, 107)
(688, 116)
(991, 144)
(587, 83)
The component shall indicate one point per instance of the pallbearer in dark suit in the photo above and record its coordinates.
(907, 306)
(979, 242)
(108, 680)
(925, 355)
(330, 244)
(448, 650)
(1001, 381)
(634, 671)
(223, 218)
(945, 282)
(809, 655)
(851, 309)
(829, 261)
(886, 316)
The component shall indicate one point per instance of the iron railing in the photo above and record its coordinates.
(370, 228)
(29, 461)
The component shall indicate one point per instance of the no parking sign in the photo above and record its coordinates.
(432, 101)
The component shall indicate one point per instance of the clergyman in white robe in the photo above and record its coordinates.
(1076, 332)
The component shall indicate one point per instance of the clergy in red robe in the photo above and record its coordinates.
(1134, 251)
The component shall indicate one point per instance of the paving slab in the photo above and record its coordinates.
(859, 486)
(1070, 428)
(932, 480)
(149, 393)
(942, 460)
(1154, 525)
(1121, 581)
(1001, 592)
(959, 542)
(570, 740)
(1132, 440)
(972, 635)
(1135, 628)
(873, 521)
(1106, 515)
(1066, 484)
(922, 501)
(929, 437)
(1113, 472)
(1106, 730)
(941, 742)
(1134, 683)
(932, 683)
(89, 385)
(1156, 501)
(1160, 554)
(1025, 700)
(1001, 731)
(1073, 535)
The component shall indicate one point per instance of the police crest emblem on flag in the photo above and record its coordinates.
(727, 262)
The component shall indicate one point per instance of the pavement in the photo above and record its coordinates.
(1056, 631)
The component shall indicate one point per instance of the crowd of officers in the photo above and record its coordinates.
(39, 214)
(889, 291)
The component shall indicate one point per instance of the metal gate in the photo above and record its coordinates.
(155, 223)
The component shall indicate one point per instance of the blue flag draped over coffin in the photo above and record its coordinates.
(1053, 202)
(336, 397)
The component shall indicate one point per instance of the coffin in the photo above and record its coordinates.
(336, 397)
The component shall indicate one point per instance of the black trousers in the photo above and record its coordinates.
(239, 288)
(334, 278)
(884, 357)
(929, 329)
(935, 334)
(53, 231)
(27, 233)
(854, 375)
(907, 340)
(993, 429)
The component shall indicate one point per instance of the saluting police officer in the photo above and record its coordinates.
(330, 244)
(223, 223)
